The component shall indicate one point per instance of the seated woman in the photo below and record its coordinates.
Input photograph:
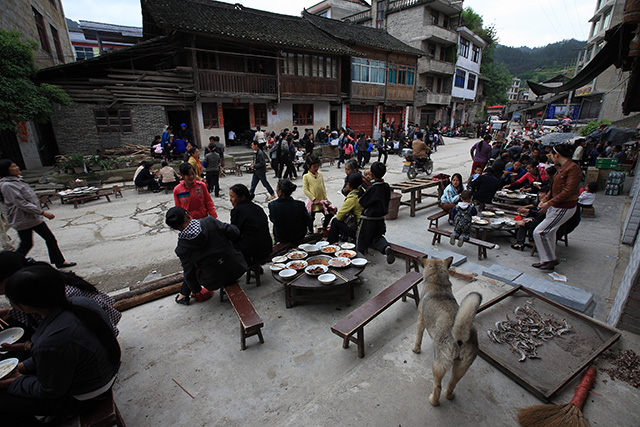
(451, 193)
(534, 217)
(290, 217)
(315, 190)
(206, 251)
(75, 355)
(75, 286)
(167, 176)
(348, 216)
(254, 241)
(145, 178)
(530, 181)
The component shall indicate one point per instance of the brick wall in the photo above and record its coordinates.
(76, 131)
(632, 223)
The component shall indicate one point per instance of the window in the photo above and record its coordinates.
(367, 71)
(302, 114)
(599, 47)
(210, 115)
(83, 53)
(401, 75)
(380, 14)
(605, 21)
(42, 32)
(435, 17)
(463, 50)
(475, 53)
(431, 50)
(56, 43)
(594, 27)
(260, 114)
(460, 78)
(471, 82)
(393, 73)
(428, 84)
(53, 3)
(113, 121)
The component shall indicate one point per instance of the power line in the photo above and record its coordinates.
(552, 23)
(584, 34)
(568, 16)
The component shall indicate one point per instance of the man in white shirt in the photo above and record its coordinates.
(232, 136)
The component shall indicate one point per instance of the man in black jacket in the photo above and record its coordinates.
(484, 188)
(260, 172)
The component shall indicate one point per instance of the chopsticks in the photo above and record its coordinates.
(338, 274)
(300, 274)
(4, 324)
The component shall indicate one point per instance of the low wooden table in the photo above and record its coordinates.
(311, 289)
(85, 196)
(415, 188)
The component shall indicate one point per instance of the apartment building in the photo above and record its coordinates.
(90, 39)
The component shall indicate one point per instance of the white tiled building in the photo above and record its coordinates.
(466, 75)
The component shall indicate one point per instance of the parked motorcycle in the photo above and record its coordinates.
(412, 166)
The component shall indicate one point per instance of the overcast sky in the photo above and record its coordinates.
(541, 23)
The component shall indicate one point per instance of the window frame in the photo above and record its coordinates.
(260, 116)
(364, 67)
(460, 77)
(85, 50)
(471, 81)
(302, 114)
(380, 14)
(209, 113)
(463, 50)
(56, 43)
(111, 121)
(42, 31)
(475, 53)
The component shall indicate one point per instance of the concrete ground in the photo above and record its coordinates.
(301, 375)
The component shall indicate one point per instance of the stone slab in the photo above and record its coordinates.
(536, 284)
(575, 298)
(474, 268)
(503, 274)
(436, 252)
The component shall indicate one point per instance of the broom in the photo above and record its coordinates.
(569, 415)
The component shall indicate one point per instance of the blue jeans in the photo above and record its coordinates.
(261, 177)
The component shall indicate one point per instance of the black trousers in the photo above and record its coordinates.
(338, 227)
(151, 183)
(383, 153)
(26, 242)
(213, 182)
(371, 233)
(325, 221)
(291, 171)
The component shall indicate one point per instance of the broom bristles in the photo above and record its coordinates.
(568, 415)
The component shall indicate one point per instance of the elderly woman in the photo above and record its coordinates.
(560, 207)
(255, 240)
(75, 355)
(315, 190)
(290, 217)
(25, 215)
(194, 160)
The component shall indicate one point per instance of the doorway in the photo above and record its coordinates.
(236, 118)
(333, 119)
(176, 118)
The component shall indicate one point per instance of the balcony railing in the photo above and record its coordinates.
(397, 5)
(439, 34)
(359, 17)
(424, 97)
(430, 65)
(232, 82)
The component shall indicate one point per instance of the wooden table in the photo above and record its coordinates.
(415, 188)
(85, 196)
(311, 290)
(480, 231)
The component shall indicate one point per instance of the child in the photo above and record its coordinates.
(463, 212)
(587, 195)
(476, 173)
(375, 205)
(299, 157)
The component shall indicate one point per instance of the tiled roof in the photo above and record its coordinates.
(111, 28)
(239, 22)
(350, 33)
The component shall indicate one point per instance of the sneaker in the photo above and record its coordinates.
(461, 241)
(452, 239)
(391, 258)
(271, 197)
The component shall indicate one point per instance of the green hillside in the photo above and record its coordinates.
(540, 63)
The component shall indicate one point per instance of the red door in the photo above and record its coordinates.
(361, 119)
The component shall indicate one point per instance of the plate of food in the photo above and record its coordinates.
(330, 249)
(512, 196)
(286, 273)
(510, 223)
(8, 365)
(319, 260)
(316, 270)
(322, 243)
(11, 335)
(279, 259)
(296, 265)
(522, 196)
(326, 278)
(359, 262)
(348, 246)
(346, 254)
(277, 266)
(309, 248)
(480, 221)
(499, 212)
(340, 262)
(296, 255)
(488, 213)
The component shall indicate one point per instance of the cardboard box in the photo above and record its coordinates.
(603, 175)
(592, 174)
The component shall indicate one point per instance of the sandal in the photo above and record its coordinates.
(517, 247)
(184, 300)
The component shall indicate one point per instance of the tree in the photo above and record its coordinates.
(21, 98)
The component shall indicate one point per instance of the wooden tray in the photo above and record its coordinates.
(561, 358)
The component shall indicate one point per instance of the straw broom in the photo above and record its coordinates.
(569, 415)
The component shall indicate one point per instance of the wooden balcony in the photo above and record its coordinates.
(424, 97)
(228, 82)
(434, 66)
(400, 93)
(367, 91)
(301, 86)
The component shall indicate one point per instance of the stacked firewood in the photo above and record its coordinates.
(124, 150)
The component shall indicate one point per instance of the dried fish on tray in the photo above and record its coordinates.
(528, 331)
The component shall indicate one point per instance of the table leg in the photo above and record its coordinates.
(287, 296)
(413, 204)
(419, 196)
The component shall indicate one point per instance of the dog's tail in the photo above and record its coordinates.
(461, 330)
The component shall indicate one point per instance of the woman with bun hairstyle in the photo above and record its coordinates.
(290, 217)
(254, 241)
(560, 207)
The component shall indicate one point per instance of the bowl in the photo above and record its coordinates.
(279, 259)
(296, 255)
(359, 262)
(488, 213)
(326, 278)
(297, 264)
(346, 254)
(286, 273)
(340, 262)
(330, 249)
(348, 246)
(316, 270)
(322, 243)
(309, 248)
(319, 259)
(499, 212)
(277, 267)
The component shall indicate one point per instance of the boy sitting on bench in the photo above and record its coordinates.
(462, 213)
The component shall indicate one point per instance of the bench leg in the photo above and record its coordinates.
(108, 199)
(360, 342)
(248, 276)
(412, 206)
(345, 342)
(287, 296)
(243, 338)
(221, 294)
(260, 336)
(257, 273)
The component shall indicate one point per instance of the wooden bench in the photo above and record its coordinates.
(351, 328)
(250, 322)
(106, 414)
(433, 219)
(411, 257)
(481, 244)
(45, 201)
(117, 191)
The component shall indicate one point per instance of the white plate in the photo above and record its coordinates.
(309, 248)
(277, 267)
(318, 267)
(346, 254)
(359, 262)
(342, 261)
(8, 365)
(522, 196)
(296, 255)
(330, 249)
(487, 213)
(499, 212)
(11, 335)
(322, 243)
(302, 264)
(279, 259)
(287, 273)
(347, 246)
(326, 278)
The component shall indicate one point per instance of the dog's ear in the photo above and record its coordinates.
(424, 260)
(448, 262)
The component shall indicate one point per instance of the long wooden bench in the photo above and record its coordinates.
(411, 257)
(106, 414)
(433, 219)
(250, 322)
(351, 328)
(481, 244)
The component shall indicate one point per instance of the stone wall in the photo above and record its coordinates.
(76, 132)
(407, 25)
